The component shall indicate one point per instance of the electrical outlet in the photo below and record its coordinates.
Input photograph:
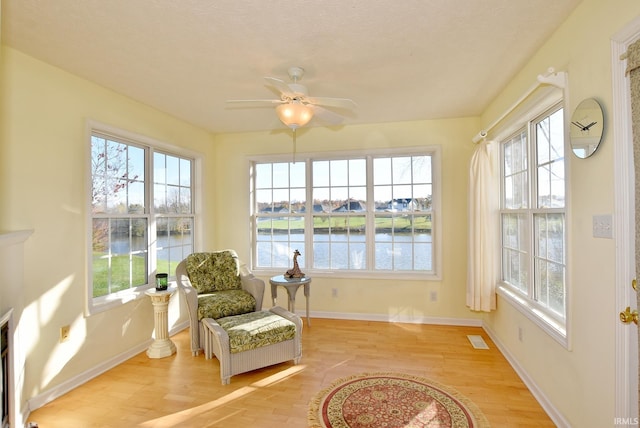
(433, 296)
(64, 333)
(603, 226)
(334, 292)
(520, 334)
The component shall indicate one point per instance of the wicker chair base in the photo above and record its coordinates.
(216, 342)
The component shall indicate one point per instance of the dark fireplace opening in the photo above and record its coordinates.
(4, 372)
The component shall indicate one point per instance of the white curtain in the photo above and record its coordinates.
(484, 234)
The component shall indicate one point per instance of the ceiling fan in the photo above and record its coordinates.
(296, 108)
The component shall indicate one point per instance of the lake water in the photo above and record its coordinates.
(174, 248)
(397, 252)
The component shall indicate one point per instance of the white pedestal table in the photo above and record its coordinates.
(162, 346)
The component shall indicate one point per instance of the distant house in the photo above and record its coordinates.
(351, 206)
(317, 208)
(402, 204)
(275, 209)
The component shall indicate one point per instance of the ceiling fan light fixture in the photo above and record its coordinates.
(294, 114)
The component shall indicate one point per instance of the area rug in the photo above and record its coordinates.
(392, 400)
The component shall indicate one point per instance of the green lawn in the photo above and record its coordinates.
(420, 223)
(123, 276)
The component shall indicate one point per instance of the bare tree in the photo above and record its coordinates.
(109, 177)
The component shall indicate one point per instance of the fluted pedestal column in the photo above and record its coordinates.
(162, 346)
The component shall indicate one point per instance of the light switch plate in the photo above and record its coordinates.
(603, 226)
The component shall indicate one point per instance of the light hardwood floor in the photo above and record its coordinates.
(185, 391)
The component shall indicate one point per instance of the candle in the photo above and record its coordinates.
(162, 281)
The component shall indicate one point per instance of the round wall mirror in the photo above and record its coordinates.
(587, 126)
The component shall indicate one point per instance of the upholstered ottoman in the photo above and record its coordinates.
(251, 341)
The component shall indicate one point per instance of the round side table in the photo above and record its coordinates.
(291, 285)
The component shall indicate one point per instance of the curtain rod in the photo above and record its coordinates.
(557, 79)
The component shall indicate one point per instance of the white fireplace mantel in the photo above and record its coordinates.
(11, 294)
(12, 238)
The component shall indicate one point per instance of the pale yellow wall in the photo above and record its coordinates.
(395, 299)
(42, 187)
(580, 382)
(42, 179)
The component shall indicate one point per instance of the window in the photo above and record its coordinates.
(142, 216)
(533, 219)
(353, 214)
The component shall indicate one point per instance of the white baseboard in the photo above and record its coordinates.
(402, 318)
(57, 391)
(539, 395)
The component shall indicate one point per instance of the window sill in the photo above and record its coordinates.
(334, 274)
(112, 301)
(549, 325)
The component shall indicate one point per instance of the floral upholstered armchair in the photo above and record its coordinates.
(216, 285)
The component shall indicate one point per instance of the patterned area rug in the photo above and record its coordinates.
(392, 400)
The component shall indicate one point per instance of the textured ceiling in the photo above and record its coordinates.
(400, 60)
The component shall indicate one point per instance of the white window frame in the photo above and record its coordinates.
(557, 328)
(113, 300)
(437, 221)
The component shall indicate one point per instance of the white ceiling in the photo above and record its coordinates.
(398, 60)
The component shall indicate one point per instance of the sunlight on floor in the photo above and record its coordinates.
(279, 377)
(341, 363)
(404, 316)
(188, 414)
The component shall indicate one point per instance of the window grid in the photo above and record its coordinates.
(408, 187)
(364, 213)
(280, 199)
(515, 254)
(533, 239)
(124, 220)
(173, 209)
(549, 262)
(339, 227)
(516, 172)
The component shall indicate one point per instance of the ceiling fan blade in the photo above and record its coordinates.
(326, 116)
(279, 85)
(333, 102)
(252, 103)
